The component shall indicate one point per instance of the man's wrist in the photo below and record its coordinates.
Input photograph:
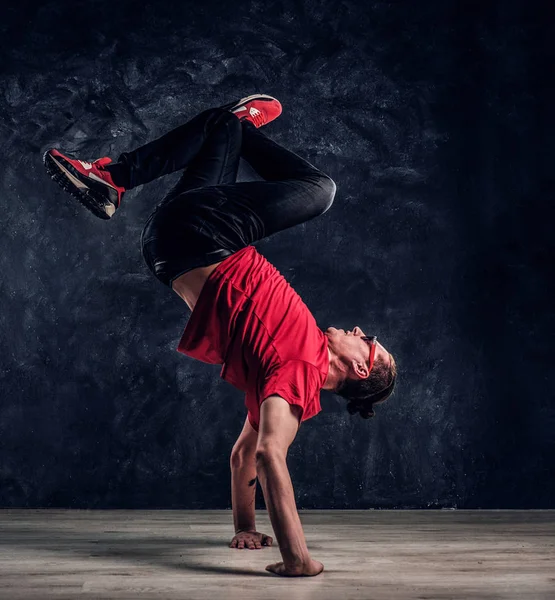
(245, 530)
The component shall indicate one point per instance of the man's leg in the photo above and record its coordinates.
(195, 226)
(294, 191)
(207, 147)
(101, 184)
(170, 240)
(204, 226)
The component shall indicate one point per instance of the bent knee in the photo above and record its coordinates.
(327, 194)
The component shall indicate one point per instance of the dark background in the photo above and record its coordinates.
(435, 119)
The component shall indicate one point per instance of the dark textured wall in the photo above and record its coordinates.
(434, 118)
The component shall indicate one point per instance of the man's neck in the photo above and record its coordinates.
(335, 374)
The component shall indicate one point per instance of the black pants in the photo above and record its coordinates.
(208, 216)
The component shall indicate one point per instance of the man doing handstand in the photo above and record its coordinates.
(245, 316)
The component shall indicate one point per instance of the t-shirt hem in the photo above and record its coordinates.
(284, 396)
(304, 415)
(205, 292)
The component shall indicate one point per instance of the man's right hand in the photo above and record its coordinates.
(252, 540)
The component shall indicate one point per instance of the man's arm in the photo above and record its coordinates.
(279, 423)
(243, 479)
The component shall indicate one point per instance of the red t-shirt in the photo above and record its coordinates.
(251, 321)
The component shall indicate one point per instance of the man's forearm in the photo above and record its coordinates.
(276, 484)
(243, 490)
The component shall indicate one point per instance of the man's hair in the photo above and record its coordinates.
(362, 394)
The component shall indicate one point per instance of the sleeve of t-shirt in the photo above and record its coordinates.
(252, 420)
(296, 381)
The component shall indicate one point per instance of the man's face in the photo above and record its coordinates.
(348, 345)
(352, 350)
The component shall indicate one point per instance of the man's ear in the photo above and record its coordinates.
(360, 369)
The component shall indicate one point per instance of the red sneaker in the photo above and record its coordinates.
(89, 182)
(259, 109)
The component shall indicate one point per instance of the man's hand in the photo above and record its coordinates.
(306, 570)
(253, 540)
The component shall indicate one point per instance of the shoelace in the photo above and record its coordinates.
(99, 163)
(258, 118)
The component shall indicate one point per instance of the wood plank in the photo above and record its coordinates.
(48, 554)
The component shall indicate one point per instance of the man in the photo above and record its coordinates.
(245, 316)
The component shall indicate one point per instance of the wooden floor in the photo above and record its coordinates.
(367, 555)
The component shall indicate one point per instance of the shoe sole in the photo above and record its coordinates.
(91, 195)
(234, 106)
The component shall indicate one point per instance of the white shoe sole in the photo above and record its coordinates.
(247, 99)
